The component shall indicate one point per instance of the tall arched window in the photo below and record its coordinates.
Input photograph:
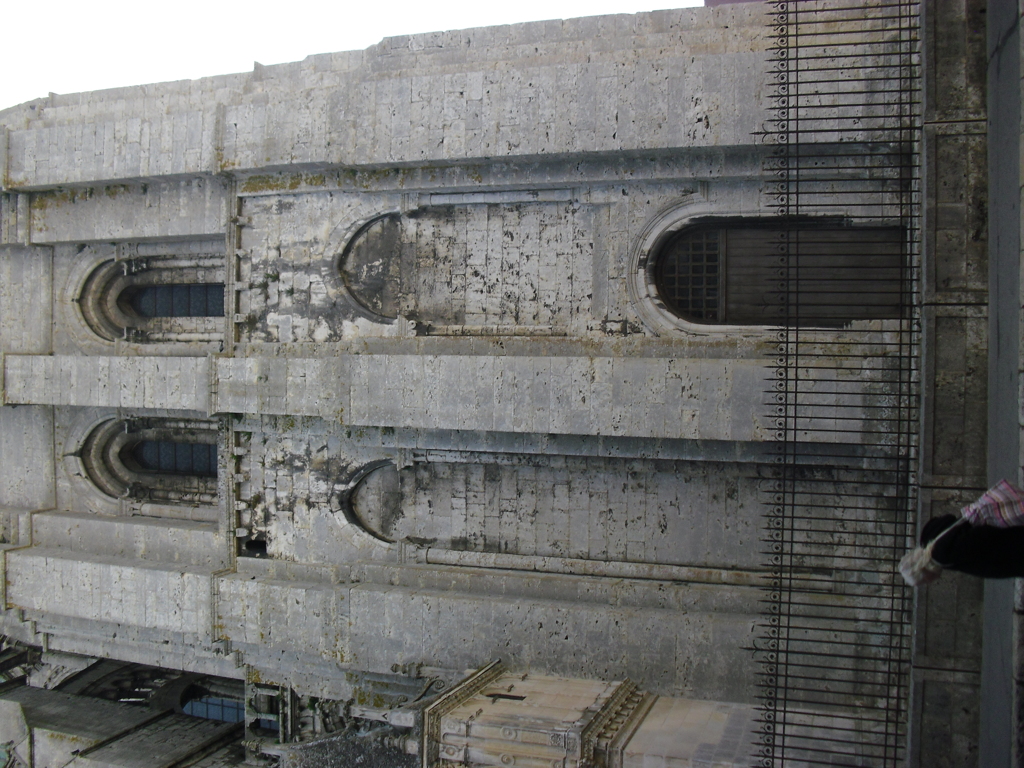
(157, 292)
(762, 272)
(170, 461)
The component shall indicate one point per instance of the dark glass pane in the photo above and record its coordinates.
(211, 459)
(820, 277)
(204, 459)
(167, 462)
(179, 300)
(214, 300)
(213, 708)
(754, 273)
(183, 457)
(199, 300)
(177, 458)
(148, 455)
(162, 301)
(145, 303)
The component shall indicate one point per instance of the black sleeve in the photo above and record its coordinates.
(992, 553)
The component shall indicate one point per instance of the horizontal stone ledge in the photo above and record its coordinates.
(161, 596)
(578, 567)
(674, 398)
(170, 383)
(688, 398)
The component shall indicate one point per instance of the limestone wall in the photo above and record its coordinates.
(26, 299)
(83, 585)
(174, 383)
(494, 357)
(603, 509)
(158, 209)
(653, 81)
(27, 457)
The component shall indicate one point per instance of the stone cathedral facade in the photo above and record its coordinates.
(397, 401)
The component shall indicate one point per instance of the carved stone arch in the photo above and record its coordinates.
(110, 458)
(194, 272)
(373, 502)
(370, 267)
(640, 285)
(101, 314)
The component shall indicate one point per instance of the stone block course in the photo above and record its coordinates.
(143, 538)
(25, 299)
(286, 615)
(174, 383)
(456, 628)
(680, 513)
(156, 130)
(27, 458)
(511, 394)
(168, 209)
(60, 582)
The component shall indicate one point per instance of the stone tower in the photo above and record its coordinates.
(328, 385)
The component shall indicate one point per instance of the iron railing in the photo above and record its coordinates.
(843, 144)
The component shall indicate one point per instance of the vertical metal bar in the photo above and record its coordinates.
(853, 515)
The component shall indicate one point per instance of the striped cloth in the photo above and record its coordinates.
(1001, 506)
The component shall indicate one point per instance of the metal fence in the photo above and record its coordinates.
(843, 148)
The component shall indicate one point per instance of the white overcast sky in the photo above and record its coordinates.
(66, 46)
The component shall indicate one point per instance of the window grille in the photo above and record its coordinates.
(156, 292)
(153, 459)
(761, 273)
(688, 276)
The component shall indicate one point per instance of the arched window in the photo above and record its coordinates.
(168, 461)
(157, 292)
(759, 272)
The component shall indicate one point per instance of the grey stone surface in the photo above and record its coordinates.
(121, 590)
(26, 454)
(162, 209)
(948, 617)
(579, 86)
(346, 750)
(26, 289)
(53, 710)
(171, 383)
(165, 742)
